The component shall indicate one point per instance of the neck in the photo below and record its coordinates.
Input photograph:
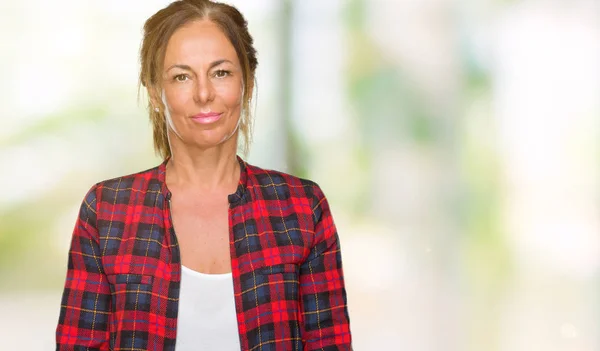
(205, 170)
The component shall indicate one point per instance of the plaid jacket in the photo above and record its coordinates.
(124, 270)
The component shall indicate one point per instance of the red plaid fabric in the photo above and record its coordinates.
(124, 269)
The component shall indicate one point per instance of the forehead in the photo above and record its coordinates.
(197, 43)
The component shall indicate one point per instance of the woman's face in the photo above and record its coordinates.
(202, 82)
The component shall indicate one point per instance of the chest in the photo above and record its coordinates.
(201, 226)
(251, 234)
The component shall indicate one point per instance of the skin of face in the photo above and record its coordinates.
(202, 86)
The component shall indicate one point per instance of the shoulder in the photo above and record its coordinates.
(128, 180)
(269, 176)
(270, 183)
(119, 189)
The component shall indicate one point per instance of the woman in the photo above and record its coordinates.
(205, 251)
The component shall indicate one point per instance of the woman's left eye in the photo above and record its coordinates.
(222, 73)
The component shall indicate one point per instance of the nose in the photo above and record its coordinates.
(205, 91)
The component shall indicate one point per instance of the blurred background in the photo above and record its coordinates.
(458, 142)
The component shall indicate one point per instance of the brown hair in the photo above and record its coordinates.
(159, 28)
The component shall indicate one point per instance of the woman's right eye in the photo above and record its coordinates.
(180, 78)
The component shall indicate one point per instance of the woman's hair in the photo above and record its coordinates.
(159, 28)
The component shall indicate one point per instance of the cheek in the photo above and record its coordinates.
(231, 95)
(178, 97)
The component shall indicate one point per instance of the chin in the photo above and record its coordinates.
(208, 140)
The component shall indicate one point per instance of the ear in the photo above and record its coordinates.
(154, 97)
(251, 87)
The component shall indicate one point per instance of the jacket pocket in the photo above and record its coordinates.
(279, 268)
(129, 278)
(270, 285)
(270, 299)
(130, 294)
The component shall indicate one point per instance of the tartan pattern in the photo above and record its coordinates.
(122, 286)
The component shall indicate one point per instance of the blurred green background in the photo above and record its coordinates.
(458, 142)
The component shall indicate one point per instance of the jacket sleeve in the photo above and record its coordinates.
(86, 299)
(322, 291)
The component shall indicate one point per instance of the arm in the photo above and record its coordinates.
(322, 292)
(86, 299)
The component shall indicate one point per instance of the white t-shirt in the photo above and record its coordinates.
(206, 319)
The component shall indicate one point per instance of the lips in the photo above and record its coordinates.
(207, 118)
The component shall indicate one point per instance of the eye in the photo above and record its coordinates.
(181, 77)
(222, 73)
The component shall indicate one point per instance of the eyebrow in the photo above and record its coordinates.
(188, 68)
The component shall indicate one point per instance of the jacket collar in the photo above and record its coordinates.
(236, 197)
